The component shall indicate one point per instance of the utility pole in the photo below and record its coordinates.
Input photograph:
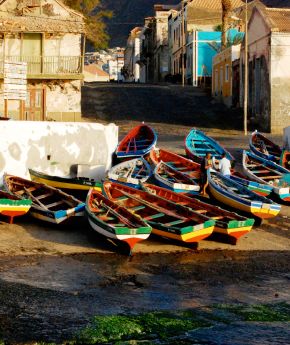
(246, 74)
(182, 41)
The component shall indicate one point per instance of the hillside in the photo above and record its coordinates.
(131, 13)
(127, 15)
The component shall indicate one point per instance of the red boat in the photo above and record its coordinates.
(138, 142)
(184, 165)
(227, 223)
(166, 218)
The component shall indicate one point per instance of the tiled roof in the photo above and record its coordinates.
(214, 4)
(278, 19)
(95, 69)
(33, 24)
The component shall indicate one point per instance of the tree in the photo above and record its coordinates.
(226, 9)
(95, 16)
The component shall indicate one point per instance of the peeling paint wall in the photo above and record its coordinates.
(53, 147)
(280, 81)
(63, 99)
(259, 93)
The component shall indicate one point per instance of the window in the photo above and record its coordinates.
(227, 71)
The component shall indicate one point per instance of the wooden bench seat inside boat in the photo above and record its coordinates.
(175, 222)
(43, 196)
(56, 203)
(137, 208)
(154, 216)
(270, 177)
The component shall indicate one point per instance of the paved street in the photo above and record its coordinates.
(170, 104)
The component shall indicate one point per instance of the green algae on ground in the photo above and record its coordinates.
(153, 325)
(259, 312)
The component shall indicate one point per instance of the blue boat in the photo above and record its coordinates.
(264, 147)
(131, 172)
(259, 188)
(174, 180)
(239, 197)
(267, 172)
(138, 142)
(197, 145)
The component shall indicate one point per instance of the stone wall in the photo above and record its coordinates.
(280, 82)
(54, 147)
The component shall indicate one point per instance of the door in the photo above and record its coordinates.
(35, 104)
(31, 52)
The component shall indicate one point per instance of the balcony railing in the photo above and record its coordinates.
(47, 65)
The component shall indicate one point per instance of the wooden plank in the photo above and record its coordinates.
(270, 177)
(55, 204)
(154, 216)
(44, 196)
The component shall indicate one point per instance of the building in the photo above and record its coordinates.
(131, 69)
(196, 16)
(49, 37)
(94, 73)
(269, 73)
(115, 66)
(224, 78)
(201, 47)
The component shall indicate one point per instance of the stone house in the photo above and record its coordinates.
(269, 73)
(49, 37)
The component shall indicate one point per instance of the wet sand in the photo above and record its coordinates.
(53, 280)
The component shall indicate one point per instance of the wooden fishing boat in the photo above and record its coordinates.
(11, 206)
(114, 221)
(264, 147)
(172, 179)
(267, 172)
(48, 203)
(239, 197)
(227, 223)
(138, 142)
(167, 219)
(131, 172)
(254, 186)
(197, 145)
(182, 164)
(65, 183)
(285, 159)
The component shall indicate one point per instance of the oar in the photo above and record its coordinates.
(115, 213)
(150, 205)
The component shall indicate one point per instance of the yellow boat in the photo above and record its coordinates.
(66, 183)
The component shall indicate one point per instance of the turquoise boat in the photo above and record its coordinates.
(197, 145)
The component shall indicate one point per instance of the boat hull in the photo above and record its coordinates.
(65, 183)
(191, 237)
(197, 144)
(190, 231)
(131, 240)
(138, 142)
(255, 208)
(227, 223)
(14, 208)
(281, 192)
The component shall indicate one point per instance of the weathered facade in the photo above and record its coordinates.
(131, 69)
(269, 73)
(49, 37)
(223, 74)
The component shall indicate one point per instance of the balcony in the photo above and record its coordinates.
(48, 67)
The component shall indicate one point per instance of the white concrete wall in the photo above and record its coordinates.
(26, 145)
